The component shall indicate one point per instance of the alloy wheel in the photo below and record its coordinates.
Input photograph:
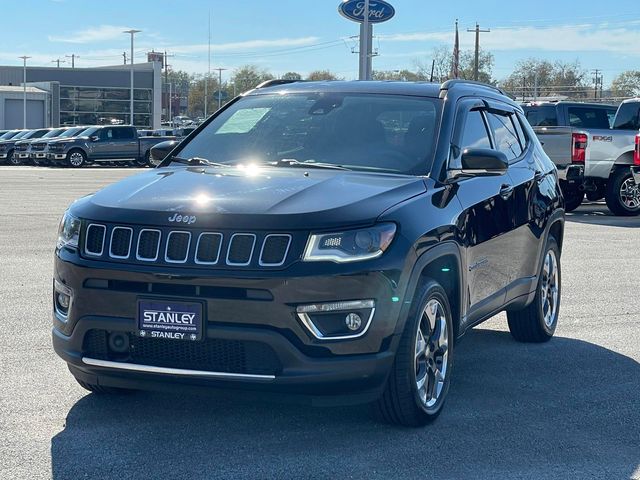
(431, 353)
(630, 194)
(550, 289)
(76, 159)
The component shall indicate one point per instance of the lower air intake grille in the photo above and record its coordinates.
(213, 355)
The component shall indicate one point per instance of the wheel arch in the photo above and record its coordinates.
(442, 263)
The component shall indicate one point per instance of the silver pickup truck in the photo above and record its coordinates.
(596, 161)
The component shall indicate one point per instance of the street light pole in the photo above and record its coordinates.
(220, 70)
(24, 90)
(132, 32)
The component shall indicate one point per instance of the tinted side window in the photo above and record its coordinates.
(123, 133)
(475, 133)
(628, 116)
(106, 134)
(542, 116)
(505, 135)
(585, 117)
(524, 140)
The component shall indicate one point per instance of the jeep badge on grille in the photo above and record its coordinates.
(177, 218)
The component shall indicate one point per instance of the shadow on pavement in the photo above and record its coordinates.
(565, 409)
(597, 213)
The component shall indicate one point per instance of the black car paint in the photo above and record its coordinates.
(482, 238)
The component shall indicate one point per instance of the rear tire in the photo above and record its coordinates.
(572, 199)
(623, 195)
(537, 322)
(100, 389)
(142, 162)
(419, 380)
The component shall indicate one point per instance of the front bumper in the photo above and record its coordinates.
(56, 156)
(635, 171)
(330, 371)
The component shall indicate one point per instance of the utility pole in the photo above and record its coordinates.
(433, 66)
(206, 82)
(24, 90)
(476, 66)
(73, 57)
(58, 61)
(170, 107)
(597, 82)
(131, 32)
(220, 70)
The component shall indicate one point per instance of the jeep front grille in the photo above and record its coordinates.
(130, 244)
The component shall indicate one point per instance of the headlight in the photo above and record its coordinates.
(69, 231)
(350, 246)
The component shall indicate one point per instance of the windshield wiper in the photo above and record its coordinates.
(292, 162)
(198, 161)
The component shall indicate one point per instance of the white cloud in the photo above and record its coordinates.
(572, 38)
(91, 35)
(258, 44)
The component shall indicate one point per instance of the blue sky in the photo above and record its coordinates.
(285, 35)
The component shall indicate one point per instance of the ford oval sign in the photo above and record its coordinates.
(379, 11)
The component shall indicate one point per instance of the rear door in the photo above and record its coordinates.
(125, 142)
(485, 220)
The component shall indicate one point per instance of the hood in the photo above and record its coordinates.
(286, 198)
(67, 139)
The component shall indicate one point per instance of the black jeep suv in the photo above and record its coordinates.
(330, 239)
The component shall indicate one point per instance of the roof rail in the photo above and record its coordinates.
(459, 81)
(275, 82)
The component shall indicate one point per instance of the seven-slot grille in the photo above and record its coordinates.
(174, 247)
(38, 146)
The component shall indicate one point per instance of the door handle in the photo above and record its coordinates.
(506, 190)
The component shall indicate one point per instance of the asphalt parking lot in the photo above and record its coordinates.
(566, 409)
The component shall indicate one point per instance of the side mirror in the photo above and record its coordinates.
(481, 162)
(160, 151)
(94, 138)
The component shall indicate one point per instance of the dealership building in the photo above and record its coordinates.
(81, 96)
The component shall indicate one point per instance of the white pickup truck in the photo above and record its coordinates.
(596, 161)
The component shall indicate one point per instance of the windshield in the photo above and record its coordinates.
(20, 134)
(87, 132)
(389, 133)
(72, 132)
(53, 133)
(9, 134)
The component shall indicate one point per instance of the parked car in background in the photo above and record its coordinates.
(10, 134)
(574, 114)
(38, 148)
(145, 133)
(182, 132)
(329, 239)
(119, 144)
(635, 170)
(7, 145)
(596, 161)
(23, 146)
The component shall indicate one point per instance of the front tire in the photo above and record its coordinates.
(419, 380)
(537, 322)
(13, 158)
(100, 389)
(76, 158)
(623, 195)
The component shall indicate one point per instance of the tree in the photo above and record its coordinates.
(443, 60)
(627, 84)
(249, 76)
(196, 95)
(322, 75)
(398, 75)
(291, 76)
(536, 77)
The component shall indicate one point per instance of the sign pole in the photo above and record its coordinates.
(366, 38)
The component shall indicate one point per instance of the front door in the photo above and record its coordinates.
(485, 221)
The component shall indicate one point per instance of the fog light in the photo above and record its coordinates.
(339, 320)
(63, 300)
(118, 342)
(353, 321)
